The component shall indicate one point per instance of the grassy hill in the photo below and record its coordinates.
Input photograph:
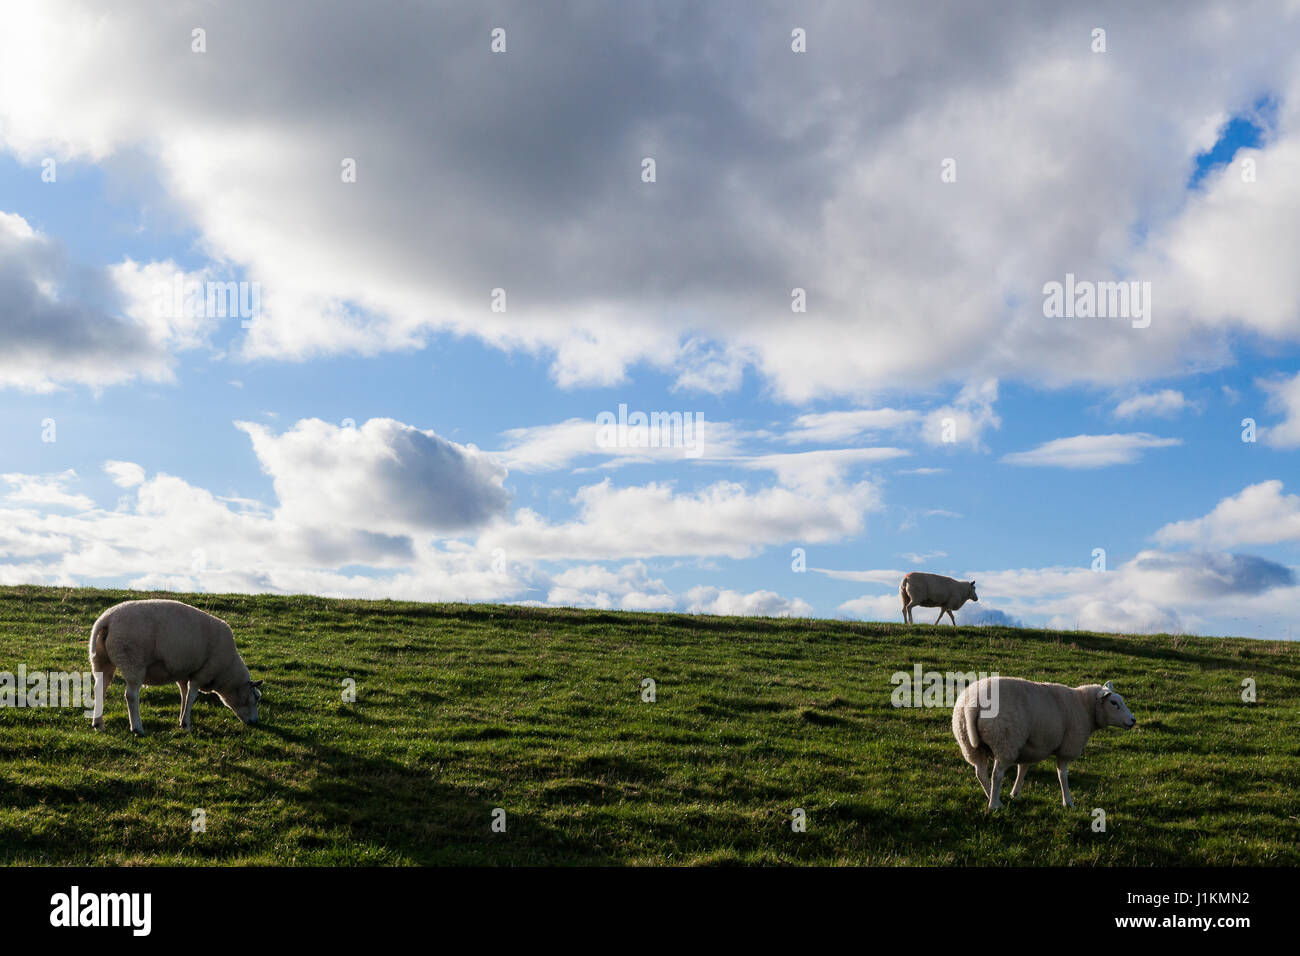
(461, 709)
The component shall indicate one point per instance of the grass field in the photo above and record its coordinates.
(461, 709)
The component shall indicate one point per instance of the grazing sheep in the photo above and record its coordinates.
(1026, 722)
(157, 642)
(919, 589)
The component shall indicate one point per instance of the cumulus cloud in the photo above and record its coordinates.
(1259, 514)
(878, 607)
(1090, 451)
(1284, 397)
(629, 588)
(384, 475)
(125, 474)
(762, 184)
(62, 323)
(711, 600)
(388, 510)
(45, 490)
(1154, 591)
(978, 615)
(1126, 615)
(966, 419)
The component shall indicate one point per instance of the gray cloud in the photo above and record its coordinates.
(973, 615)
(384, 477)
(1216, 574)
(59, 321)
(775, 170)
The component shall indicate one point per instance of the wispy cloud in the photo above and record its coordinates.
(1090, 451)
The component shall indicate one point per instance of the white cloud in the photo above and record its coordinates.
(817, 470)
(920, 558)
(383, 476)
(1284, 397)
(840, 426)
(45, 490)
(966, 419)
(540, 448)
(722, 519)
(630, 588)
(711, 600)
(1154, 591)
(1165, 403)
(893, 578)
(125, 474)
(1126, 616)
(880, 607)
(68, 324)
(1090, 451)
(1258, 514)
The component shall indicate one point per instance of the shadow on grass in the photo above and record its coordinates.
(328, 804)
(382, 802)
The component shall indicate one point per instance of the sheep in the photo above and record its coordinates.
(1014, 721)
(157, 642)
(919, 589)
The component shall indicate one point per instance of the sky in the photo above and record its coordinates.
(1011, 297)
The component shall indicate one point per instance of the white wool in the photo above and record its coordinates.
(1027, 721)
(163, 642)
(921, 589)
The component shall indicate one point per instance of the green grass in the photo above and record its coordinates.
(465, 708)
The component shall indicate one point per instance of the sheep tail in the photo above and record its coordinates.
(972, 728)
(97, 641)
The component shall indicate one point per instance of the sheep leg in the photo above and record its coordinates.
(133, 708)
(939, 618)
(103, 677)
(999, 771)
(1063, 772)
(1022, 771)
(907, 616)
(982, 775)
(951, 618)
(189, 693)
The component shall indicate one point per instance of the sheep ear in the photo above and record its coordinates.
(1105, 691)
(256, 683)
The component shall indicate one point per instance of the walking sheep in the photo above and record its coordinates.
(1013, 721)
(919, 589)
(157, 642)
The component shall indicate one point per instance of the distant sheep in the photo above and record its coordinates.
(1027, 722)
(158, 642)
(919, 589)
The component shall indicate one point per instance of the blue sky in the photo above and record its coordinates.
(382, 432)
